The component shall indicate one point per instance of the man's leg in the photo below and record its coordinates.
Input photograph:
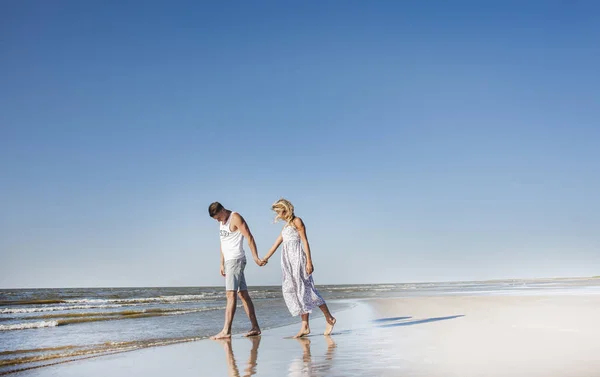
(247, 301)
(249, 308)
(229, 313)
(231, 286)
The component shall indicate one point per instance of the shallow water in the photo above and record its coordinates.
(45, 326)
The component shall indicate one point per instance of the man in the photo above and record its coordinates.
(233, 229)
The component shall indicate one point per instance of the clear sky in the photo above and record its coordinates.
(419, 141)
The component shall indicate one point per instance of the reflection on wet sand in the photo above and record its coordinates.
(232, 364)
(309, 366)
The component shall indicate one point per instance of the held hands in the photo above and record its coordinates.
(260, 262)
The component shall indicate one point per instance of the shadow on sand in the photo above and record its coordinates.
(383, 322)
(389, 319)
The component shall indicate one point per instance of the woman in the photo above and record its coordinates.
(299, 291)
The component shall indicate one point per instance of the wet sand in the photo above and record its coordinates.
(421, 336)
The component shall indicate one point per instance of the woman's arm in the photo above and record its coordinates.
(278, 242)
(302, 231)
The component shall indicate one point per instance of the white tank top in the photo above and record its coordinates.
(232, 243)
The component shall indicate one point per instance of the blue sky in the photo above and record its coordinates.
(419, 141)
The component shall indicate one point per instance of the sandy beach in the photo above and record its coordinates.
(420, 336)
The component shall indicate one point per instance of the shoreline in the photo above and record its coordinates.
(574, 278)
(543, 335)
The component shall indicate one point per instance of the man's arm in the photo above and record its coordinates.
(239, 222)
(222, 262)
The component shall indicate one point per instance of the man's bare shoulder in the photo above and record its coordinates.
(236, 218)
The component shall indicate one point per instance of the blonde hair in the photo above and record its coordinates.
(284, 205)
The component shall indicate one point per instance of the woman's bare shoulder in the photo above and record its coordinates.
(298, 222)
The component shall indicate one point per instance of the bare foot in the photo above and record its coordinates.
(253, 332)
(303, 332)
(329, 328)
(226, 342)
(221, 335)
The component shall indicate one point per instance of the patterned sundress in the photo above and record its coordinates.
(298, 287)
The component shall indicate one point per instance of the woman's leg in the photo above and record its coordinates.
(329, 318)
(305, 328)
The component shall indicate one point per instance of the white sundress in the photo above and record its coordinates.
(298, 287)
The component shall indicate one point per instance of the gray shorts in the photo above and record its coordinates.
(234, 275)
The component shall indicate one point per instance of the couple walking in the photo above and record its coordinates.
(298, 287)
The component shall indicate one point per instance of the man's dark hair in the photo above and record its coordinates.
(214, 208)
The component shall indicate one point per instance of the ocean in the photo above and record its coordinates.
(41, 327)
